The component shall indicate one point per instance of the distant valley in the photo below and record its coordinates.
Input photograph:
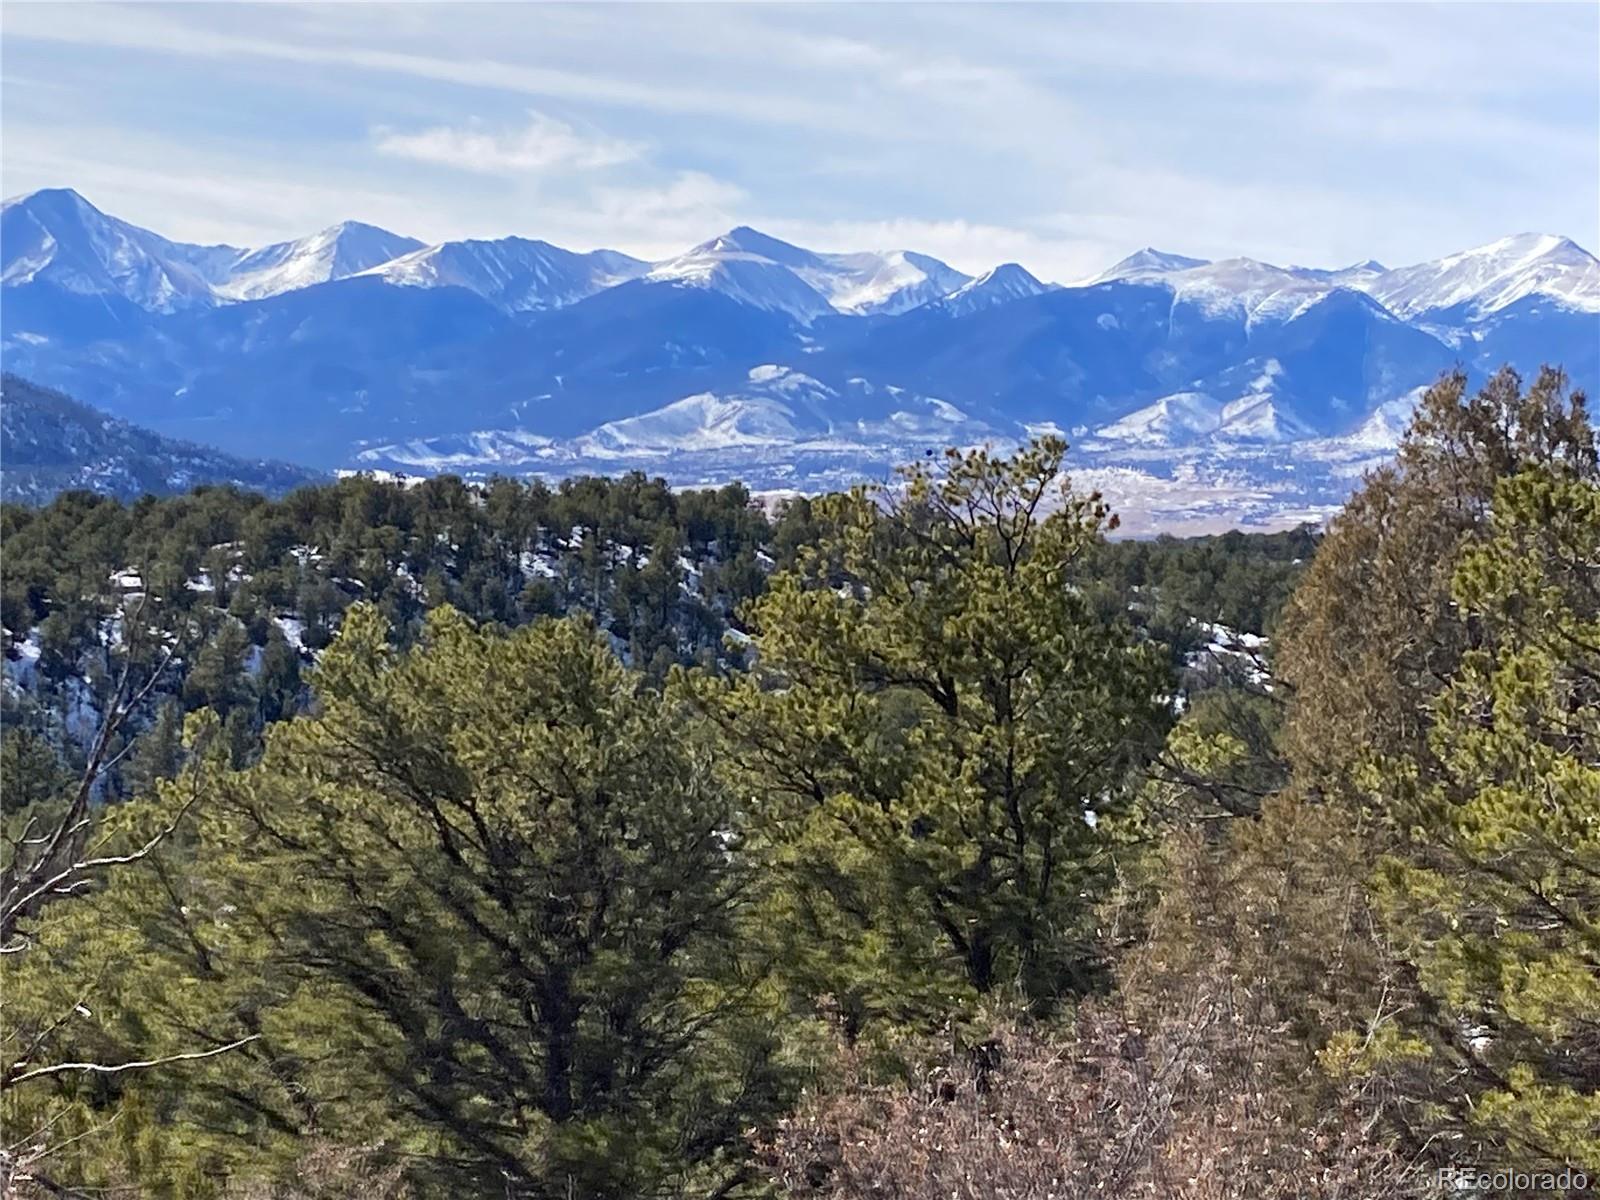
(1196, 394)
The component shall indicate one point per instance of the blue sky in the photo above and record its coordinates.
(1061, 136)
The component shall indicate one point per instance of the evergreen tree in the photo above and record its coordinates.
(510, 936)
(938, 737)
(1495, 903)
(1373, 632)
(217, 678)
(277, 680)
(158, 754)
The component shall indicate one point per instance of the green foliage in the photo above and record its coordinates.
(420, 878)
(1412, 903)
(1497, 900)
(219, 575)
(481, 907)
(1373, 633)
(937, 738)
(1237, 580)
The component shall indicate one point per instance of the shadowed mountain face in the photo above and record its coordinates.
(50, 443)
(748, 356)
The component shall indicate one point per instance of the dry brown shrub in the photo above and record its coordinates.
(1107, 1110)
(327, 1171)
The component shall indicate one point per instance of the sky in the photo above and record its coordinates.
(1061, 136)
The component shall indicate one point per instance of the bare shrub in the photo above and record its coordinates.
(326, 1171)
(1107, 1110)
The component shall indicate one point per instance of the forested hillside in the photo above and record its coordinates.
(49, 443)
(611, 841)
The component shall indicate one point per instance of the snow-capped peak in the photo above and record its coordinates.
(756, 268)
(884, 281)
(55, 236)
(746, 277)
(1008, 281)
(1469, 285)
(1147, 264)
(517, 274)
(337, 252)
(745, 240)
(1488, 278)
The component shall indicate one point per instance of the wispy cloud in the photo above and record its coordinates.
(543, 143)
(163, 30)
(667, 217)
(1061, 136)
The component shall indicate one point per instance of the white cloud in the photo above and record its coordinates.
(969, 246)
(542, 144)
(176, 31)
(1058, 136)
(661, 220)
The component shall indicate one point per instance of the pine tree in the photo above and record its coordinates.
(938, 737)
(510, 933)
(1373, 633)
(217, 678)
(1496, 901)
(1437, 701)
(158, 754)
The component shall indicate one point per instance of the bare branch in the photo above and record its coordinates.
(117, 1068)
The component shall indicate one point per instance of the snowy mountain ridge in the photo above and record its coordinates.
(749, 357)
(335, 253)
(515, 274)
(1479, 281)
(780, 277)
(57, 236)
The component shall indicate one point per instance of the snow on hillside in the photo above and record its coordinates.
(1258, 417)
(1143, 265)
(745, 277)
(1483, 280)
(1183, 418)
(1254, 291)
(1386, 424)
(58, 238)
(1491, 277)
(785, 278)
(1171, 420)
(776, 411)
(336, 253)
(51, 444)
(778, 407)
(703, 422)
(1001, 285)
(889, 282)
(505, 448)
(516, 274)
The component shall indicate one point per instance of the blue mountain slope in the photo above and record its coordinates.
(51, 444)
(1534, 331)
(43, 314)
(627, 349)
(1070, 356)
(1342, 357)
(305, 374)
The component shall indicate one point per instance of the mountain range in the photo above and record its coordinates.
(1235, 385)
